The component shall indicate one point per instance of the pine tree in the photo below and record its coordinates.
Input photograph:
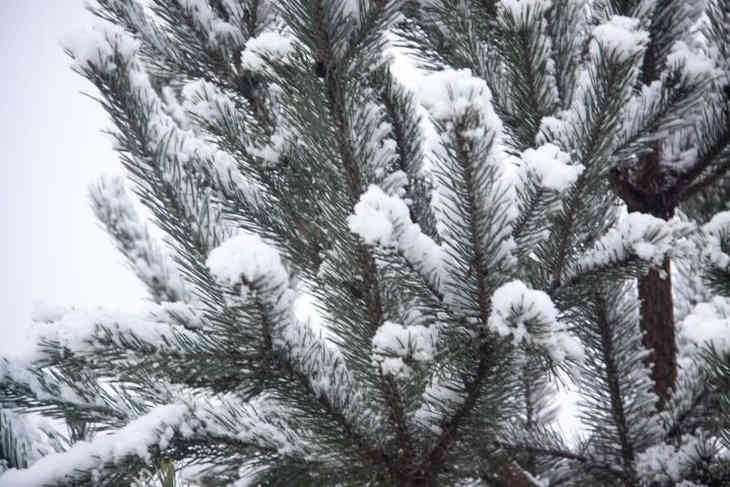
(354, 283)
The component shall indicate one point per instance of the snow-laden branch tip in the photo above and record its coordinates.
(551, 167)
(166, 121)
(246, 258)
(383, 220)
(717, 230)
(692, 63)
(115, 209)
(269, 45)
(154, 429)
(635, 235)
(529, 316)
(206, 19)
(86, 331)
(453, 96)
(99, 44)
(621, 36)
(394, 345)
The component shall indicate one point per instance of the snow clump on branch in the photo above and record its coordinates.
(99, 45)
(394, 345)
(529, 316)
(385, 221)
(551, 166)
(621, 36)
(709, 324)
(454, 96)
(270, 45)
(246, 257)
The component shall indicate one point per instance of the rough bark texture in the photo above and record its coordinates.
(657, 323)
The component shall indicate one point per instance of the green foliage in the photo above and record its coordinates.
(463, 247)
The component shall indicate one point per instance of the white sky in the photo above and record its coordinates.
(51, 148)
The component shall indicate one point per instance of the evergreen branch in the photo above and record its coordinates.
(619, 253)
(161, 179)
(533, 205)
(471, 180)
(291, 348)
(22, 443)
(555, 453)
(594, 114)
(703, 183)
(401, 109)
(671, 21)
(114, 208)
(260, 196)
(525, 47)
(328, 52)
(373, 20)
(567, 26)
(161, 47)
(436, 457)
(37, 390)
(368, 266)
(617, 406)
(713, 154)
(661, 108)
(107, 460)
(615, 410)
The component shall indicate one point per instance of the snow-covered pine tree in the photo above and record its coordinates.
(351, 290)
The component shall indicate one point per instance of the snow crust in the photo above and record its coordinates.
(551, 166)
(515, 307)
(621, 35)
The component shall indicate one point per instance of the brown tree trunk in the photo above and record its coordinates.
(655, 288)
(657, 310)
(657, 323)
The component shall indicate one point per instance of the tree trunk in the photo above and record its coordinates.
(657, 323)
(655, 289)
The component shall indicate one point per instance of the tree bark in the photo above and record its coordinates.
(657, 323)
(655, 288)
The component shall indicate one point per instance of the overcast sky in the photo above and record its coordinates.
(51, 148)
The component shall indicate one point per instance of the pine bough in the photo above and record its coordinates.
(360, 284)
